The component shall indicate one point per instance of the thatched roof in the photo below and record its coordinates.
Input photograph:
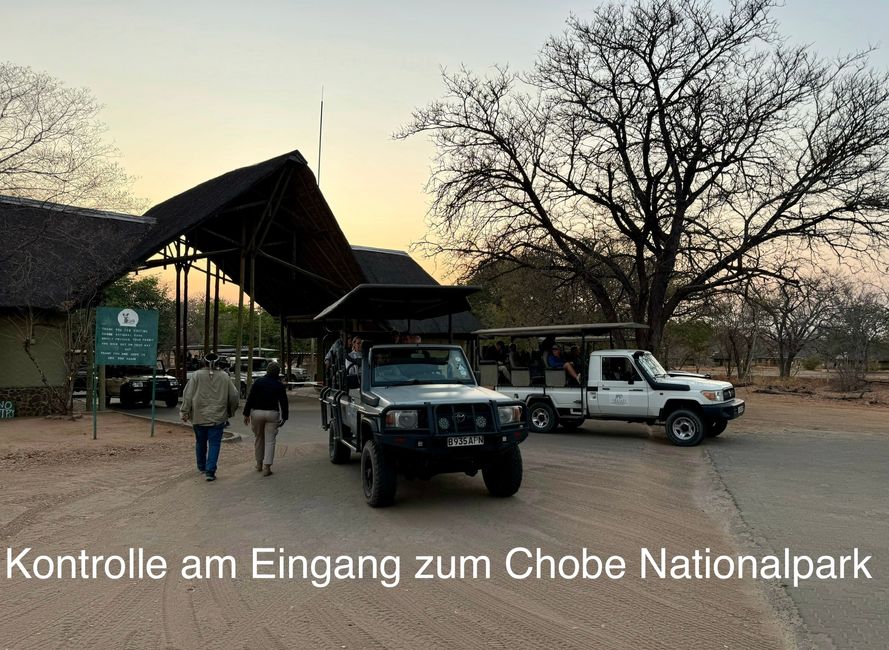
(57, 256)
(312, 265)
(383, 266)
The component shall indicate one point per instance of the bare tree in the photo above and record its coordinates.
(52, 145)
(738, 325)
(796, 314)
(662, 148)
(862, 322)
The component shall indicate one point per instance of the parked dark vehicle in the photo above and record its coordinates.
(132, 385)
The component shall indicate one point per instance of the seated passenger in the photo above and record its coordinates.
(353, 357)
(555, 361)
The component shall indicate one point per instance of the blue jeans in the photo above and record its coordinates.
(207, 440)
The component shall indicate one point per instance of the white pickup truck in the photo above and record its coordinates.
(621, 384)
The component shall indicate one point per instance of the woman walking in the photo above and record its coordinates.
(266, 412)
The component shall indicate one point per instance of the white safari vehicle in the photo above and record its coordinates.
(615, 384)
(415, 409)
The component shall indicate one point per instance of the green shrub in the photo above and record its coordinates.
(811, 363)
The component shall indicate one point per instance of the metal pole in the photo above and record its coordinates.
(153, 395)
(93, 384)
(320, 129)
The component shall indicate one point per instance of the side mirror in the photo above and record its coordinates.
(353, 381)
(631, 381)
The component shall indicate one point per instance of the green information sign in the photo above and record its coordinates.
(126, 337)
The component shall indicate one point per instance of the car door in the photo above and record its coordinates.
(622, 391)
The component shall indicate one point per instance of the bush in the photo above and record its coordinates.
(811, 363)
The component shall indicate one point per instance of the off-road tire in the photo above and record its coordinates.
(171, 401)
(715, 427)
(337, 451)
(542, 417)
(503, 476)
(684, 428)
(570, 424)
(378, 477)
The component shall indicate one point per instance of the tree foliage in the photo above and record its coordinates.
(659, 152)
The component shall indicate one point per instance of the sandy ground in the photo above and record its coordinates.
(610, 489)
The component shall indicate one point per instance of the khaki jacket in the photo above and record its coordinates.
(209, 399)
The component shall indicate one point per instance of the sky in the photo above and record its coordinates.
(192, 89)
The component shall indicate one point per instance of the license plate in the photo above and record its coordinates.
(465, 441)
(741, 409)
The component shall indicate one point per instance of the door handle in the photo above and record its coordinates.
(637, 390)
(605, 388)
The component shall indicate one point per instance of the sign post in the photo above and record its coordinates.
(127, 337)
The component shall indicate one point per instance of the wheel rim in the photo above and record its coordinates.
(540, 418)
(368, 476)
(684, 428)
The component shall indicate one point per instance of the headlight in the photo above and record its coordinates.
(712, 395)
(509, 414)
(136, 384)
(402, 419)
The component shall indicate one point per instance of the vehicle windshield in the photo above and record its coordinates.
(411, 365)
(651, 365)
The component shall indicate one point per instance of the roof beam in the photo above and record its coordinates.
(182, 259)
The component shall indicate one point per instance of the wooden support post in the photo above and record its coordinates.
(216, 314)
(251, 321)
(177, 350)
(240, 337)
(207, 313)
(185, 323)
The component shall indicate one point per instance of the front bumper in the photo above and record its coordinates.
(437, 444)
(726, 410)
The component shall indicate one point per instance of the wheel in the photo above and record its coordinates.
(715, 427)
(126, 401)
(337, 451)
(171, 401)
(503, 476)
(377, 475)
(684, 428)
(107, 400)
(243, 390)
(570, 424)
(543, 417)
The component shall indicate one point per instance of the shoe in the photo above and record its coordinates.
(211, 476)
(258, 467)
(201, 470)
(266, 470)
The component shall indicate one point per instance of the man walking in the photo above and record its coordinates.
(209, 400)
(267, 408)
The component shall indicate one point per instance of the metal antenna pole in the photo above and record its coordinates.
(320, 129)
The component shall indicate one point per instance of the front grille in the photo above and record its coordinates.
(464, 418)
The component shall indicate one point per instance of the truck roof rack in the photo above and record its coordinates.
(399, 301)
(578, 329)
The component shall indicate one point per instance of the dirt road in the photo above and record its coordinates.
(610, 489)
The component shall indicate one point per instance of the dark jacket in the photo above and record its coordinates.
(267, 394)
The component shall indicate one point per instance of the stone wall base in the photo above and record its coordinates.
(33, 400)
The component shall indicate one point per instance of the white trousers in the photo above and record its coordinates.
(265, 430)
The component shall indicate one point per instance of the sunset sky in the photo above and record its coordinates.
(194, 89)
